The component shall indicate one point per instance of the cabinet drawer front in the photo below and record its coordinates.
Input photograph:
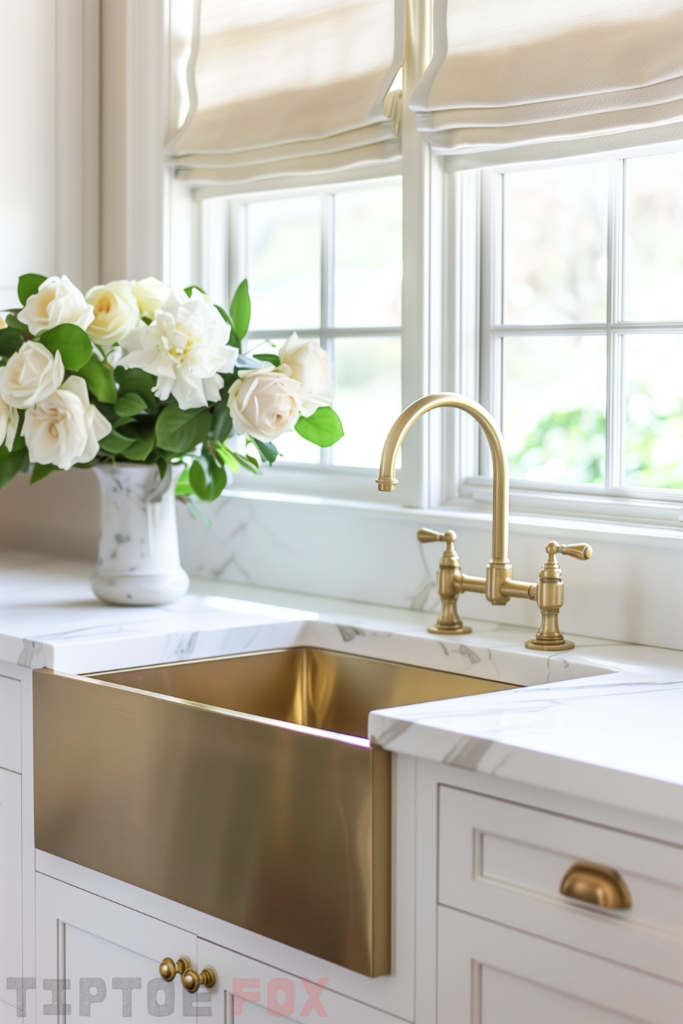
(10, 724)
(490, 974)
(506, 862)
(254, 991)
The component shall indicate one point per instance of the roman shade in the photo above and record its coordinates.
(289, 87)
(517, 74)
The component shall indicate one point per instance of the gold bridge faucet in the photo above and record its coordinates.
(498, 585)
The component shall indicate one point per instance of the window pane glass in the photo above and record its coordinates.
(654, 238)
(368, 263)
(554, 408)
(556, 245)
(654, 410)
(368, 397)
(284, 263)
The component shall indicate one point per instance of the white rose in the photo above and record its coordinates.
(264, 403)
(31, 375)
(184, 347)
(150, 294)
(116, 312)
(9, 421)
(57, 301)
(65, 428)
(305, 361)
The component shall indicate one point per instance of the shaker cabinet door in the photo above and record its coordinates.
(98, 959)
(490, 974)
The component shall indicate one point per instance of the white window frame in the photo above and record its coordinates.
(474, 336)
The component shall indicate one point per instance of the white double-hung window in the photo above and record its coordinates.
(509, 225)
(582, 324)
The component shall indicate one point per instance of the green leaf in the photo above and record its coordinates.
(71, 342)
(129, 405)
(12, 463)
(100, 380)
(193, 288)
(207, 479)
(221, 420)
(181, 430)
(115, 443)
(266, 450)
(10, 342)
(227, 457)
(28, 286)
(13, 321)
(40, 472)
(137, 382)
(247, 462)
(268, 357)
(323, 428)
(142, 436)
(240, 310)
(183, 488)
(226, 316)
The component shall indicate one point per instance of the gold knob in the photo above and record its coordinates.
(168, 968)
(192, 979)
(600, 886)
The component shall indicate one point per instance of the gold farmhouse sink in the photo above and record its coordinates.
(242, 786)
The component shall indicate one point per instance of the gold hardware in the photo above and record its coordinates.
(591, 883)
(550, 597)
(168, 968)
(192, 980)
(498, 585)
(274, 748)
(448, 583)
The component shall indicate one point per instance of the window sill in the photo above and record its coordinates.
(470, 514)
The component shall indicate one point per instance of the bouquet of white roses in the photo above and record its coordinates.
(135, 371)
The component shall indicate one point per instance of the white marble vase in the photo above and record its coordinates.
(138, 561)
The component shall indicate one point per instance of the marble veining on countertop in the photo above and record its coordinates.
(602, 721)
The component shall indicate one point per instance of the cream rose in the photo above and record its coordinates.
(150, 294)
(9, 421)
(65, 428)
(31, 375)
(3, 323)
(306, 361)
(57, 301)
(264, 403)
(116, 312)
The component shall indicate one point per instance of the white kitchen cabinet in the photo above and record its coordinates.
(10, 723)
(11, 960)
(490, 974)
(105, 958)
(253, 991)
(506, 862)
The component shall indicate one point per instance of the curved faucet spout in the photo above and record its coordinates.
(499, 567)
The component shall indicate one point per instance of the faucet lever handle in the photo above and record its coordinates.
(582, 551)
(428, 536)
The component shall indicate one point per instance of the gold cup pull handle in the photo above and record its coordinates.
(600, 886)
(168, 968)
(192, 980)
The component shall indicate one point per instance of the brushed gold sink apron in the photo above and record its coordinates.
(244, 787)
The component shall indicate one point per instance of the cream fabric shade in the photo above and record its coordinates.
(509, 73)
(281, 87)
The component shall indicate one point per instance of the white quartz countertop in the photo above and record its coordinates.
(604, 721)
